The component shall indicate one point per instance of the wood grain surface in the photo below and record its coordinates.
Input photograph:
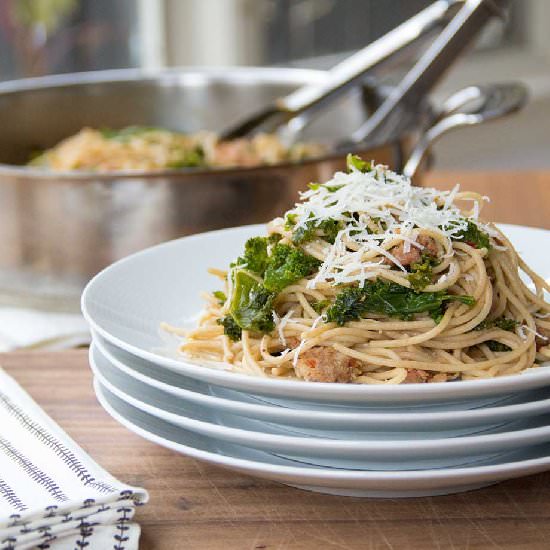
(516, 197)
(197, 506)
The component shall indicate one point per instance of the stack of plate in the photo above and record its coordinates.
(360, 440)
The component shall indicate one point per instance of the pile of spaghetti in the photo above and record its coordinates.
(371, 280)
(147, 148)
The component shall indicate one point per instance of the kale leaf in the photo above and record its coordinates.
(287, 265)
(320, 305)
(230, 328)
(387, 298)
(422, 272)
(328, 228)
(473, 236)
(493, 345)
(274, 238)
(251, 303)
(290, 220)
(255, 255)
(220, 296)
(503, 323)
(348, 306)
(189, 159)
(353, 161)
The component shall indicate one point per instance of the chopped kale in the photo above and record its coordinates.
(320, 306)
(332, 188)
(230, 328)
(329, 188)
(189, 159)
(304, 234)
(327, 229)
(437, 315)
(506, 323)
(353, 161)
(503, 323)
(274, 238)
(186, 159)
(251, 303)
(220, 296)
(255, 255)
(390, 299)
(473, 236)
(290, 221)
(287, 265)
(348, 306)
(493, 345)
(422, 272)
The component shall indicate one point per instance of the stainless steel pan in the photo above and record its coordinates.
(57, 230)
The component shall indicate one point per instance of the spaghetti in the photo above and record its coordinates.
(146, 148)
(371, 280)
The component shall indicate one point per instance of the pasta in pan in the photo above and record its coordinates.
(148, 148)
(371, 280)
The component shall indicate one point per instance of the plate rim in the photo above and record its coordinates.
(325, 390)
(410, 419)
(417, 448)
(459, 476)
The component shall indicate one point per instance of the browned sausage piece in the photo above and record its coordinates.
(414, 254)
(325, 364)
(415, 376)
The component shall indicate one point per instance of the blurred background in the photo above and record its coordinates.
(40, 37)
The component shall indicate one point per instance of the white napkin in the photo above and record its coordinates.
(52, 494)
(28, 328)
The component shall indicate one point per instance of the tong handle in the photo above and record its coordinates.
(468, 107)
(429, 69)
(349, 72)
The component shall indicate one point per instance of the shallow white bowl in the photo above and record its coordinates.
(127, 301)
(327, 480)
(148, 383)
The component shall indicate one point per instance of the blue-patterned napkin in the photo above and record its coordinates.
(52, 494)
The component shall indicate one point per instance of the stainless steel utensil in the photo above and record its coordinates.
(429, 69)
(59, 229)
(348, 73)
(468, 107)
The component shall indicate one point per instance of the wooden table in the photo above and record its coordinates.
(516, 197)
(195, 505)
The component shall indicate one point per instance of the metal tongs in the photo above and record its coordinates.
(468, 107)
(350, 72)
(428, 71)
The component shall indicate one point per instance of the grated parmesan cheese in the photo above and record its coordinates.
(356, 199)
(303, 341)
(280, 324)
(520, 331)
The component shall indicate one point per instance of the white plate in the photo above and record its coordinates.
(147, 370)
(326, 480)
(148, 382)
(380, 451)
(127, 301)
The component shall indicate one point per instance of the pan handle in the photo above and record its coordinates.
(468, 107)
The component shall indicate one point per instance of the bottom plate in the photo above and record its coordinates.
(389, 484)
